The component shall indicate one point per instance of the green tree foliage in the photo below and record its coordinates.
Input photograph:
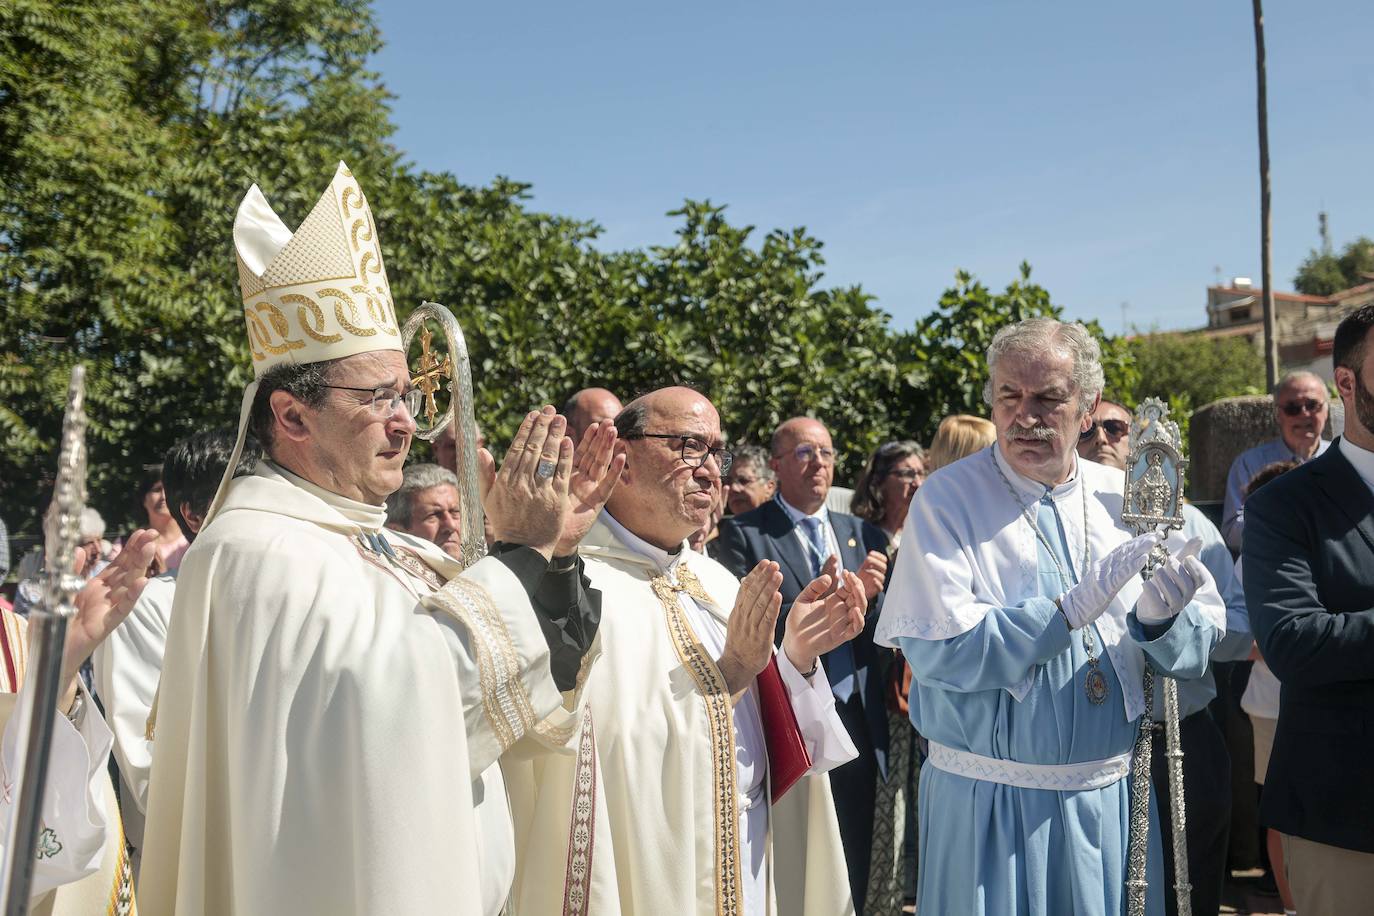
(944, 368)
(130, 129)
(1190, 370)
(1324, 272)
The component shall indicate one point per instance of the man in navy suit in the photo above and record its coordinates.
(1309, 584)
(796, 530)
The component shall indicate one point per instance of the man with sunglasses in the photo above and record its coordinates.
(796, 530)
(1206, 762)
(1300, 409)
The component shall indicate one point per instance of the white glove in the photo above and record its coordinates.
(1086, 601)
(1172, 586)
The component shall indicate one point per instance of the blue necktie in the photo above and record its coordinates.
(839, 664)
(1052, 527)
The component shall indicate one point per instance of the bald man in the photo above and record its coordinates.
(796, 530)
(669, 795)
(588, 406)
(1300, 408)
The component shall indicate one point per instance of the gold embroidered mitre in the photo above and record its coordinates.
(320, 293)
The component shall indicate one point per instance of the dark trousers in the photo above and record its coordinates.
(1207, 810)
(855, 786)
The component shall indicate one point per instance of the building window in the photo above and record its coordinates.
(1239, 313)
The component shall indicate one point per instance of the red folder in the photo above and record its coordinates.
(788, 759)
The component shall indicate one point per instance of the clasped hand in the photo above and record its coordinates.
(1172, 586)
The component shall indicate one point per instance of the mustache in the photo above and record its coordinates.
(1035, 434)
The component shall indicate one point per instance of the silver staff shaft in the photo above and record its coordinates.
(47, 636)
(1173, 743)
(1138, 846)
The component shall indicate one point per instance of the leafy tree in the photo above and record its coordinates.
(946, 368)
(1190, 370)
(1324, 273)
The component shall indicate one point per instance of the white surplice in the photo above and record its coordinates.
(666, 807)
(127, 667)
(327, 719)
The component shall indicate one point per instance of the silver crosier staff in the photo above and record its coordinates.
(47, 636)
(428, 376)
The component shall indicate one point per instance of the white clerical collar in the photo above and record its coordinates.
(660, 558)
(365, 516)
(1361, 458)
(1034, 490)
(797, 515)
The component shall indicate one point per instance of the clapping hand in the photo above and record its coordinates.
(527, 500)
(103, 603)
(822, 618)
(596, 470)
(749, 632)
(873, 572)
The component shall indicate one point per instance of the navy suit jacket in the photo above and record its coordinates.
(768, 533)
(1309, 586)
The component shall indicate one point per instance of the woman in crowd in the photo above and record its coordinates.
(958, 437)
(171, 543)
(893, 475)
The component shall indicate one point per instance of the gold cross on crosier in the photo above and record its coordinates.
(431, 373)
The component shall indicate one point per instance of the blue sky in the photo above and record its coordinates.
(1111, 145)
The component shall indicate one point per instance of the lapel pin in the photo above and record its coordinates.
(853, 543)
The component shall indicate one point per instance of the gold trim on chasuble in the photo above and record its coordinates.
(507, 706)
(720, 718)
(577, 879)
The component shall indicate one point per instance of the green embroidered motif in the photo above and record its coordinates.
(48, 844)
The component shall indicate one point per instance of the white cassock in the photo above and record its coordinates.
(127, 667)
(79, 868)
(666, 807)
(330, 719)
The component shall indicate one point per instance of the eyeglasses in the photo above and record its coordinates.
(385, 400)
(809, 453)
(1114, 429)
(694, 450)
(1305, 405)
(907, 474)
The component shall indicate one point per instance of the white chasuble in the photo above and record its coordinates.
(327, 714)
(80, 868)
(665, 807)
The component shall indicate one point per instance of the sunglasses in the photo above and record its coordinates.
(1115, 429)
(1306, 405)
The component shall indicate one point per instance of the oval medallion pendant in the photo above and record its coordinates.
(1095, 686)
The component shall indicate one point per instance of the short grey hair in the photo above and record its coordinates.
(754, 456)
(92, 525)
(1295, 376)
(1067, 338)
(417, 477)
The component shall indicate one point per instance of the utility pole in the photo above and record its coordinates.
(1271, 336)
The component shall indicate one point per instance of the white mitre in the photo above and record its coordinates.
(318, 294)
